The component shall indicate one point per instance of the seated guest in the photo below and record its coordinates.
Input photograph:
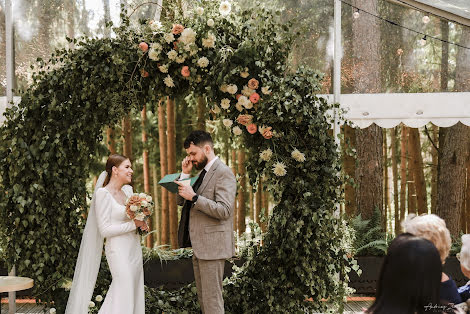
(464, 258)
(410, 278)
(434, 229)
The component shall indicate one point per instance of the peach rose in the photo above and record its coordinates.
(253, 83)
(244, 119)
(143, 46)
(144, 73)
(238, 96)
(254, 98)
(251, 128)
(185, 71)
(267, 133)
(177, 29)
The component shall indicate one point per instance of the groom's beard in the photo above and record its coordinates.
(199, 165)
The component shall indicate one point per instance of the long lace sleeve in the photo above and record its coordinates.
(103, 216)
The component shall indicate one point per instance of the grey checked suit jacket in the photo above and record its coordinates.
(211, 218)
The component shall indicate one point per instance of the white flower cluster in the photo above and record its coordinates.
(237, 131)
(155, 51)
(225, 103)
(203, 62)
(298, 156)
(279, 169)
(243, 102)
(188, 36)
(227, 122)
(266, 154)
(169, 81)
(225, 8)
(155, 26)
(209, 42)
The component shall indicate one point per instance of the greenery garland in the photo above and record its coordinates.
(49, 139)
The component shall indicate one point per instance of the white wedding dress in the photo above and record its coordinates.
(124, 255)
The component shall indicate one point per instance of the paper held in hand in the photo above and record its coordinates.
(168, 182)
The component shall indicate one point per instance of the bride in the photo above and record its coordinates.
(107, 219)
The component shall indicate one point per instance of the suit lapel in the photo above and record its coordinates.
(208, 176)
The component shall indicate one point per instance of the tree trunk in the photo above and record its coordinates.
(259, 194)
(265, 209)
(252, 203)
(241, 192)
(110, 140)
(145, 158)
(386, 187)
(418, 171)
(158, 210)
(396, 206)
(435, 139)
(445, 55)
(127, 135)
(71, 22)
(165, 224)
(403, 174)
(349, 163)
(234, 170)
(201, 113)
(467, 198)
(366, 74)
(107, 18)
(171, 156)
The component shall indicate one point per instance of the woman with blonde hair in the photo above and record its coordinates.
(433, 228)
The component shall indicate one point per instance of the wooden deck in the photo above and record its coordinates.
(354, 305)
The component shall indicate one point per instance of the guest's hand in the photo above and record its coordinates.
(185, 191)
(186, 165)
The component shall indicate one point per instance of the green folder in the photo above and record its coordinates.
(168, 182)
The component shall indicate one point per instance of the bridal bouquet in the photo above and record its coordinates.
(139, 206)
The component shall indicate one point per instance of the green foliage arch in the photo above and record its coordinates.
(49, 139)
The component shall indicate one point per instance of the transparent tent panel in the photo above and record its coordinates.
(3, 76)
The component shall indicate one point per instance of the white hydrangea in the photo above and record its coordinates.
(210, 22)
(163, 68)
(227, 122)
(154, 54)
(266, 154)
(225, 8)
(232, 89)
(169, 81)
(225, 103)
(199, 11)
(279, 169)
(98, 298)
(237, 131)
(298, 156)
(172, 54)
(246, 91)
(169, 37)
(188, 36)
(203, 62)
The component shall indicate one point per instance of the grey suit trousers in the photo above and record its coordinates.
(209, 275)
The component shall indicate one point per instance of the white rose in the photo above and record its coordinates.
(133, 208)
(209, 42)
(203, 62)
(180, 59)
(239, 107)
(237, 131)
(154, 54)
(242, 100)
(140, 216)
(169, 37)
(246, 91)
(223, 88)
(244, 74)
(225, 103)
(225, 8)
(199, 11)
(232, 89)
(188, 36)
(52, 310)
(142, 195)
(210, 22)
(149, 198)
(98, 298)
(172, 54)
(169, 81)
(227, 122)
(91, 304)
(144, 203)
(248, 104)
(163, 68)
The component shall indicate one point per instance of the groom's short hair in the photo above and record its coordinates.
(198, 138)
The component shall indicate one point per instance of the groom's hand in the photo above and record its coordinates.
(185, 191)
(186, 165)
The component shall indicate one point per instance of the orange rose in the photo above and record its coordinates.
(251, 128)
(267, 133)
(254, 98)
(177, 29)
(253, 83)
(143, 46)
(244, 119)
(185, 71)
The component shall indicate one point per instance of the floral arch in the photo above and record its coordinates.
(235, 57)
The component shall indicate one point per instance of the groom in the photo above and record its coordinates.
(207, 218)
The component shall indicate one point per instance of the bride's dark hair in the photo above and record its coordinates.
(114, 160)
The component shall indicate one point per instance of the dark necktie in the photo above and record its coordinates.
(183, 228)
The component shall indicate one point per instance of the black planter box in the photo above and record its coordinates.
(371, 265)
